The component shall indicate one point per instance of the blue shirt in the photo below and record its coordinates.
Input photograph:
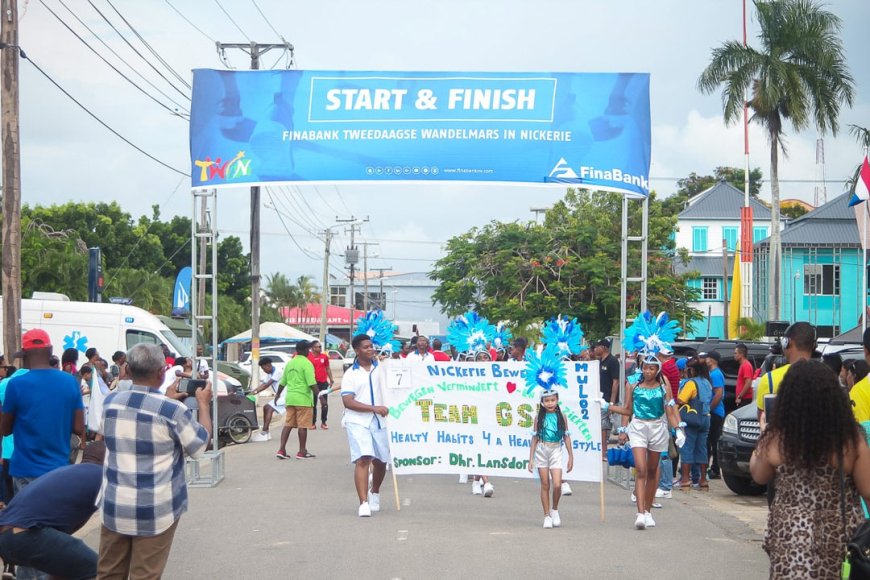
(147, 436)
(9, 440)
(550, 428)
(63, 499)
(648, 404)
(44, 402)
(717, 379)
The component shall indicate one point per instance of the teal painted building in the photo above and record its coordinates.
(821, 279)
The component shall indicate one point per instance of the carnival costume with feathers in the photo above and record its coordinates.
(563, 333)
(470, 333)
(649, 336)
(378, 328)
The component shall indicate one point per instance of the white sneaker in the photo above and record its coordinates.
(566, 490)
(664, 494)
(259, 437)
(648, 520)
(548, 523)
(374, 501)
(633, 498)
(639, 522)
(657, 505)
(463, 478)
(488, 489)
(365, 511)
(268, 436)
(557, 521)
(476, 488)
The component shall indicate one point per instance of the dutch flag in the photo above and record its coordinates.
(861, 192)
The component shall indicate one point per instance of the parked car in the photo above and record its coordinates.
(336, 361)
(740, 432)
(279, 359)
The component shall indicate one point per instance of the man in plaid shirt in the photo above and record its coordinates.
(144, 491)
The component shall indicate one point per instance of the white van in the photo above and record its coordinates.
(106, 327)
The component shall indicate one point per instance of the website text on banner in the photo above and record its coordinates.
(476, 418)
(258, 127)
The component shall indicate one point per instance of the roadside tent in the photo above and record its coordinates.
(272, 332)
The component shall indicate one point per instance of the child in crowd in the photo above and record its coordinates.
(546, 454)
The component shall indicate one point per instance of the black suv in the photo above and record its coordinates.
(739, 435)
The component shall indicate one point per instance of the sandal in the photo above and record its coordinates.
(705, 486)
(683, 484)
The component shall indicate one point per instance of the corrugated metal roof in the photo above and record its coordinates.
(832, 224)
(707, 266)
(722, 201)
(836, 209)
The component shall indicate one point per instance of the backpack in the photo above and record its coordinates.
(701, 403)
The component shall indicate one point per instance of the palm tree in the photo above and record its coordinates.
(799, 74)
(280, 292)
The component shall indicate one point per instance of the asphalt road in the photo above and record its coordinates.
(293, 518)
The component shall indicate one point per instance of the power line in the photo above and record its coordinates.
(134, 49)
(325, 201)
(149, 47)
(186, 19)
(306, 252)
(341, 199)
(113, 67)
(97, 119)
(268, 22)
(231, 19)
(118, 56)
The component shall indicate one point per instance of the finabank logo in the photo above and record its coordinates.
(562, 170)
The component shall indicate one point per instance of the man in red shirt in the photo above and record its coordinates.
(324, 380)
(440, 355)
(743, 389)
(670, 370)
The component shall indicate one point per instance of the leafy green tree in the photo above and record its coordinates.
(799, 74)
(148, 290)
(234, 268)
(522, 273)
(793, 211)
(694, 184)
(52, 260)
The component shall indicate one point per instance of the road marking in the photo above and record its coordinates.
(406, 502)
(402, 535)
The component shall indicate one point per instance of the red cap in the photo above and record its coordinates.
(32, 340)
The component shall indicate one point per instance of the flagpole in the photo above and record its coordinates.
(864, 261)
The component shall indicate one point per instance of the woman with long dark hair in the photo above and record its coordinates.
(694, 400)
(813, 445)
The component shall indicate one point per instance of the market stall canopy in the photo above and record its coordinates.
(272, 332)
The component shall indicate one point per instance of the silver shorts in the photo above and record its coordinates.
(548, 455)
(650, 434)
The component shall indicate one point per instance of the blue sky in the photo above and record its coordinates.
(68, 156)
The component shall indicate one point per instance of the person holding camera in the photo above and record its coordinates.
(144, 492)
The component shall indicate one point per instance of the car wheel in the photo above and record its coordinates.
(743, 485)
(239, 429)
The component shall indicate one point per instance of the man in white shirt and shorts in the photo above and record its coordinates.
(271, 378)
(365, 422)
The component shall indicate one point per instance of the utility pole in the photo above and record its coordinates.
(324, 291)
(365, 246)
(11, 285)
(382, 304)
(351, 258)
(255, 51)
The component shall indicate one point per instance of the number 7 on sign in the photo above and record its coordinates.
(399, 379)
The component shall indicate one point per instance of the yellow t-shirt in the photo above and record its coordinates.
(860, 397)
(764, 389)
(688, 392)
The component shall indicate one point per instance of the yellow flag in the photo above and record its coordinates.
(734, 305)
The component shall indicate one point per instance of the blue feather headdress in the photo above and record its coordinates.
(501, 337)
(470, 333)
(546, 371)
(650, 335)
(378, 327)
(564, 333)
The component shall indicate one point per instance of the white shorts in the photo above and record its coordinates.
(280, 408)
(548, 455)
(368, 442)
(650, 434)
